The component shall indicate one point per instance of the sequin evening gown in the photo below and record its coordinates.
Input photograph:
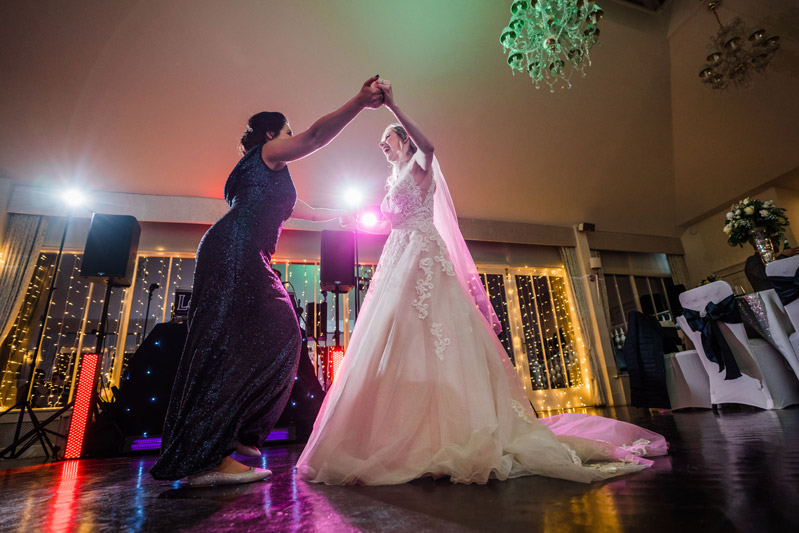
(426, 388)
(243, 345)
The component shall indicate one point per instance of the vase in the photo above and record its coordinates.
(761, 240)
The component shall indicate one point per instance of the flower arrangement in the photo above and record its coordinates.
(750, 214)
(710, 279)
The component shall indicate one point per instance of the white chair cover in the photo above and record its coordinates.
(766, 382)
(788, 267)
(687, 381)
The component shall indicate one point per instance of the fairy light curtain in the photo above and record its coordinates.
(540, 333)
(17, 347)
(20, 247)
(580, 300)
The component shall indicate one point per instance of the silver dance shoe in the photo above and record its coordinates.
(212, 477)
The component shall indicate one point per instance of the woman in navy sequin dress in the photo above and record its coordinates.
(243, 346)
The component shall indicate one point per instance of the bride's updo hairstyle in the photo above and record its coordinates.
(399, 130)
(258, 126)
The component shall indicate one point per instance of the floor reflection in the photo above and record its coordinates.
(732, 470)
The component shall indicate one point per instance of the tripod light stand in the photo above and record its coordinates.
(40, 431)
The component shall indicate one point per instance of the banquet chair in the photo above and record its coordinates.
(687, 381)
(766, 381)
(787, 268)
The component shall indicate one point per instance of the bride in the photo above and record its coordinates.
(426, 388)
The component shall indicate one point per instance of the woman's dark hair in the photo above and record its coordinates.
(399, 130)
(258, 126)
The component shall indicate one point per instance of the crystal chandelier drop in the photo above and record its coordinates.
(550, 39)
(735, 51)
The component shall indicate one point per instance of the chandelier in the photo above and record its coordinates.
(735, 51)
(550, 39)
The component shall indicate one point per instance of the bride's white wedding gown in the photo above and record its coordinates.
(426, 388)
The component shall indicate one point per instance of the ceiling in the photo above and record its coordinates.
(151, 97)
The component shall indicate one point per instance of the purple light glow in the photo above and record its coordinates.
(278, 434)
(152, 443)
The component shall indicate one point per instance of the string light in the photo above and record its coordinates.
(555, 352)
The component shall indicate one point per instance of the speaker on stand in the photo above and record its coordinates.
(337, 275)
(109, 257)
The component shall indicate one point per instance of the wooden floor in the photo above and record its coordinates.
(735, 470)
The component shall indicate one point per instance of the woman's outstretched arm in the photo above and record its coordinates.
(279, 151)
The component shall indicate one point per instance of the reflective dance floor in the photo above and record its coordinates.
(735, 470)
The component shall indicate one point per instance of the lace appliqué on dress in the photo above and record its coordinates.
(441, 341)
(615, 467)
(519, 408)
(638, 447)
(423, 287)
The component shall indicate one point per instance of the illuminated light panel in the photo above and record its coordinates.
(334, 359)
(83, 406)
(152, 443)
(278, 434)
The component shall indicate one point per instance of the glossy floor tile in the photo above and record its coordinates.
(735, 470)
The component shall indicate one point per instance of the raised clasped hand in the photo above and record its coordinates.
(388, 92)
(370, 96)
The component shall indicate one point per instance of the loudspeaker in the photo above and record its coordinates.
(315, 319)
(111, 247)
(337, 261)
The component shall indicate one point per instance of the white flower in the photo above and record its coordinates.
(768, 203)
(749, 210)
(738, 212)
(727, 229)
(730, 215)
(764, 213)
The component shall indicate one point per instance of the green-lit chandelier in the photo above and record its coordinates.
(550, 39)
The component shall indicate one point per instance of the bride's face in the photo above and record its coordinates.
(392, 146)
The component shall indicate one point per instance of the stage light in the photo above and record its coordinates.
(354, 197)
(368, 219)
(74, 197)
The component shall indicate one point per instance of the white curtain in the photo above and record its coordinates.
(21, 245)
(580, 299)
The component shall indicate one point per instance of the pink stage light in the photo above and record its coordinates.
(368, 219)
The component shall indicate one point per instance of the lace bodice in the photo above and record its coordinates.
(404, 206)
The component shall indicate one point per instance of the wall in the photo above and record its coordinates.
(728, 144)
(706, 248)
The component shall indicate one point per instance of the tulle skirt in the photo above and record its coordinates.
(426, 389)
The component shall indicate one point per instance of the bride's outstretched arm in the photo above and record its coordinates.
(304, 211)
(410, 125)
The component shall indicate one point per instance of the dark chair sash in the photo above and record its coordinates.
(787, 287)
(715, 345)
